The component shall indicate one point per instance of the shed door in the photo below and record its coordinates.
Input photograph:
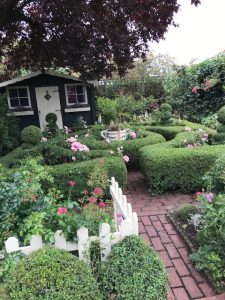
(48, 101)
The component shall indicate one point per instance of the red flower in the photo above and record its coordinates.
(194, 90)
(98, 191)
(62, 210)
(92, 199)
(72, 183)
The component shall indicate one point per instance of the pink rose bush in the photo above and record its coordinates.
(78, 147)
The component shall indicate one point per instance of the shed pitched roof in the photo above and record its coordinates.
(34, 74)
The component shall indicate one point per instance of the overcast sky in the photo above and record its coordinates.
(200, 35)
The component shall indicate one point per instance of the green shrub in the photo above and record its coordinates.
(107, 108)
(169, 132)
(211, 238)
(132, 147)
(9, 128)
(197, 90)
(31, 135)
(49, 274)
(185, 212)
(166, 168)
(51, 127)
(13, 158)
(210, 121)
(214, 179)
(63, 173)
(133, 271)
(221, 128)
(221, 115)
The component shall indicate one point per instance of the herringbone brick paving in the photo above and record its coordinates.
(185, 283)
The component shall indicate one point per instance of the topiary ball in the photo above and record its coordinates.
(51, 118)
(51, 273)
(133, 271)
(165, 107)
(31, 135)
(221, 115)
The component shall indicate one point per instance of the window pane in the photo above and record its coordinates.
(71, 90)
(72, 99)
(80, 98)
(13, 93)
(22, 92)
(24, 102)
(14, 102)
(79, 89)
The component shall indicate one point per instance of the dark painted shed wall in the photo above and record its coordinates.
(45, 80)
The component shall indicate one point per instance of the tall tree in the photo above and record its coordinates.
(93, 37)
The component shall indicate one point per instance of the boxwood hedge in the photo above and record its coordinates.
(80, 171)
(167, 168)
(133, 271)
(48, 274)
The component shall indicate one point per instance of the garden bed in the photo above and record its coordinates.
(187, 233)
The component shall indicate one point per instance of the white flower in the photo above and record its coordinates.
(73, 158)
(44, 139)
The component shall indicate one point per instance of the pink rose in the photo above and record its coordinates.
(102, 204)
(126, 158)
(72, 183)
(133, 135)
(62, 210)
(194, 90)
(98, 191)
(92, 199)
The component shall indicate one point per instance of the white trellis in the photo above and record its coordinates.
(128, 226)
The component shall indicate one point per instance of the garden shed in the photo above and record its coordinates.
(33, 96)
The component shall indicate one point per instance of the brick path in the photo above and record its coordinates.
(184, 282)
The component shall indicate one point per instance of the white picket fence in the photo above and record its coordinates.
(128, 226)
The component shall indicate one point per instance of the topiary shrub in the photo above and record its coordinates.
(31, 135)
(165, 113)
(133, 271)
(48, 274)
(51, 126)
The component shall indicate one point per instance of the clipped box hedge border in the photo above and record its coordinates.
(168, 169)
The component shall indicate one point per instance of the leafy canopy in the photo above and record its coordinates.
(89, 36)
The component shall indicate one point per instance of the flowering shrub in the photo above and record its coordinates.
(211, 238)
(26, 209)
(197, 90)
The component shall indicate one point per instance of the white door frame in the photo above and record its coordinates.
(46, 105)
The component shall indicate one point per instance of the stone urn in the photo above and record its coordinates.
(114, 135)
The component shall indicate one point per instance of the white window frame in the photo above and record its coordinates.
(18, 87)
(85, 94)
